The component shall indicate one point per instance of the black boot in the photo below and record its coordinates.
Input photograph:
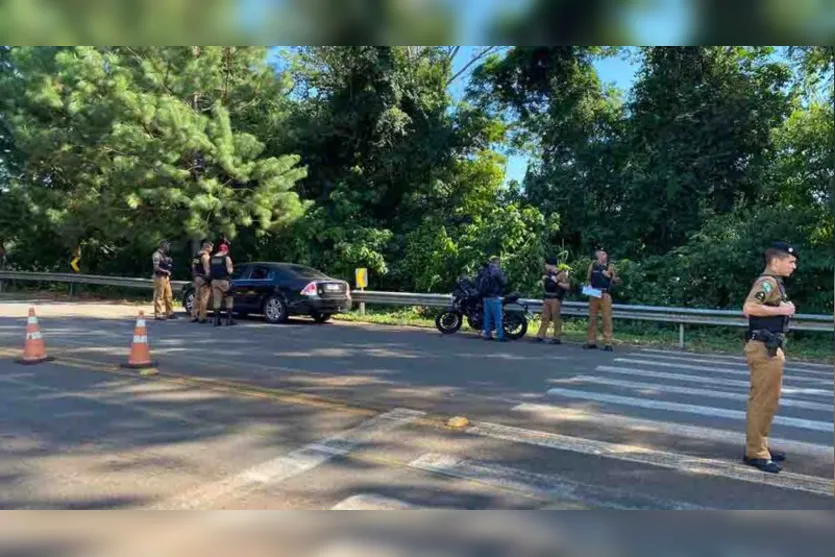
(217, 318)
(229, 321)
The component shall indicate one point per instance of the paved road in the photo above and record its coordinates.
(348, 416)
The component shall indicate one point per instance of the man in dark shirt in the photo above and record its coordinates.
(491, 288)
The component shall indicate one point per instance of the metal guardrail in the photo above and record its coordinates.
(681, 316)
(73, 278)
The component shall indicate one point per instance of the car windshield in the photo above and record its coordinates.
(300, 271)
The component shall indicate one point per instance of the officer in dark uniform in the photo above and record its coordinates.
(554, 284)
(600, 276)
(200, 272)
(221, 271)
(768, 310)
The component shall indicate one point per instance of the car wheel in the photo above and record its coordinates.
(321, 317)
(275, 310)
(188, 301)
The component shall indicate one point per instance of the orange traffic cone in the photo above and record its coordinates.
(34, 351)
(140, 355)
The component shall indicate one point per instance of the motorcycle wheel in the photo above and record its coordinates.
(515, 326)
(448, 322)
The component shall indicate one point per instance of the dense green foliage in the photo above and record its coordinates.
(343, 157)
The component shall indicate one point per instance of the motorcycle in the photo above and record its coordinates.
(468, 303)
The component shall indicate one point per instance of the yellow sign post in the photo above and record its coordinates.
(361, 276)
(361, 279)
(76, 258)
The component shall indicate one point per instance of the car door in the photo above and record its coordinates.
(260, 285)
(240, 285)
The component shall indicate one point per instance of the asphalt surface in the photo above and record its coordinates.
(348, 416)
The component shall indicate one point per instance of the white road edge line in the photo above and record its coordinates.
(546, 486)
(287, 466)
(663, 459)
(561, 414)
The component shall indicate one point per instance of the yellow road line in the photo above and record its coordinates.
(292, 397)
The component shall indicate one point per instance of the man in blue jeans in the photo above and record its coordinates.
(492, 287)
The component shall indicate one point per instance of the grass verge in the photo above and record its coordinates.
(801, 345)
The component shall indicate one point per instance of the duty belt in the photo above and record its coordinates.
(772, 341)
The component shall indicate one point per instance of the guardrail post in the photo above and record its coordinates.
(681, 335)
(362, 305)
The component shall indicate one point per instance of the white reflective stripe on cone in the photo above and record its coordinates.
(140, 322)
(137, 339)
(33, 336)
(32, 320)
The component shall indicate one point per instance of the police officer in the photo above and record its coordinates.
(200, 272)
(600, 276)
(163, 297)
(221, 269)
(555, 284)
(768, 311)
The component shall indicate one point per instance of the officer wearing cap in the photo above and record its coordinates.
(555, 285)
(221, 271)
(768, 310)
(200, 272)
(163, 297)
(601, 275)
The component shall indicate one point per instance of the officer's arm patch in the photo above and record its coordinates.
(760, 296)
(767, 288)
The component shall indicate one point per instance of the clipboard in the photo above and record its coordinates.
(592, 292)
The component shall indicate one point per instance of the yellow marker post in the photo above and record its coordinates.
(361, 280)
(74, 264)
(76, 258)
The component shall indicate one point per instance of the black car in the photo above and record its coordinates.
(280, 290)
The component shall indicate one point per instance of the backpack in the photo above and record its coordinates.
(483, 281)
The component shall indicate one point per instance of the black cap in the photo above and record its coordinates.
(785, 247)
(551, 261)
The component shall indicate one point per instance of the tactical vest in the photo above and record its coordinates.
(197, 265)
(218, 264)
(775, 323)
(165, 264)
(552, 289)
(598, 279)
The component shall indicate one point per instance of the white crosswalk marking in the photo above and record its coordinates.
(663, 459)
(701, 398)
(689, 408)
(742, 364)
(787, 390)
(649, 388)
(373, 502)
(558, 414)
(712, 369)
(728, 358)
